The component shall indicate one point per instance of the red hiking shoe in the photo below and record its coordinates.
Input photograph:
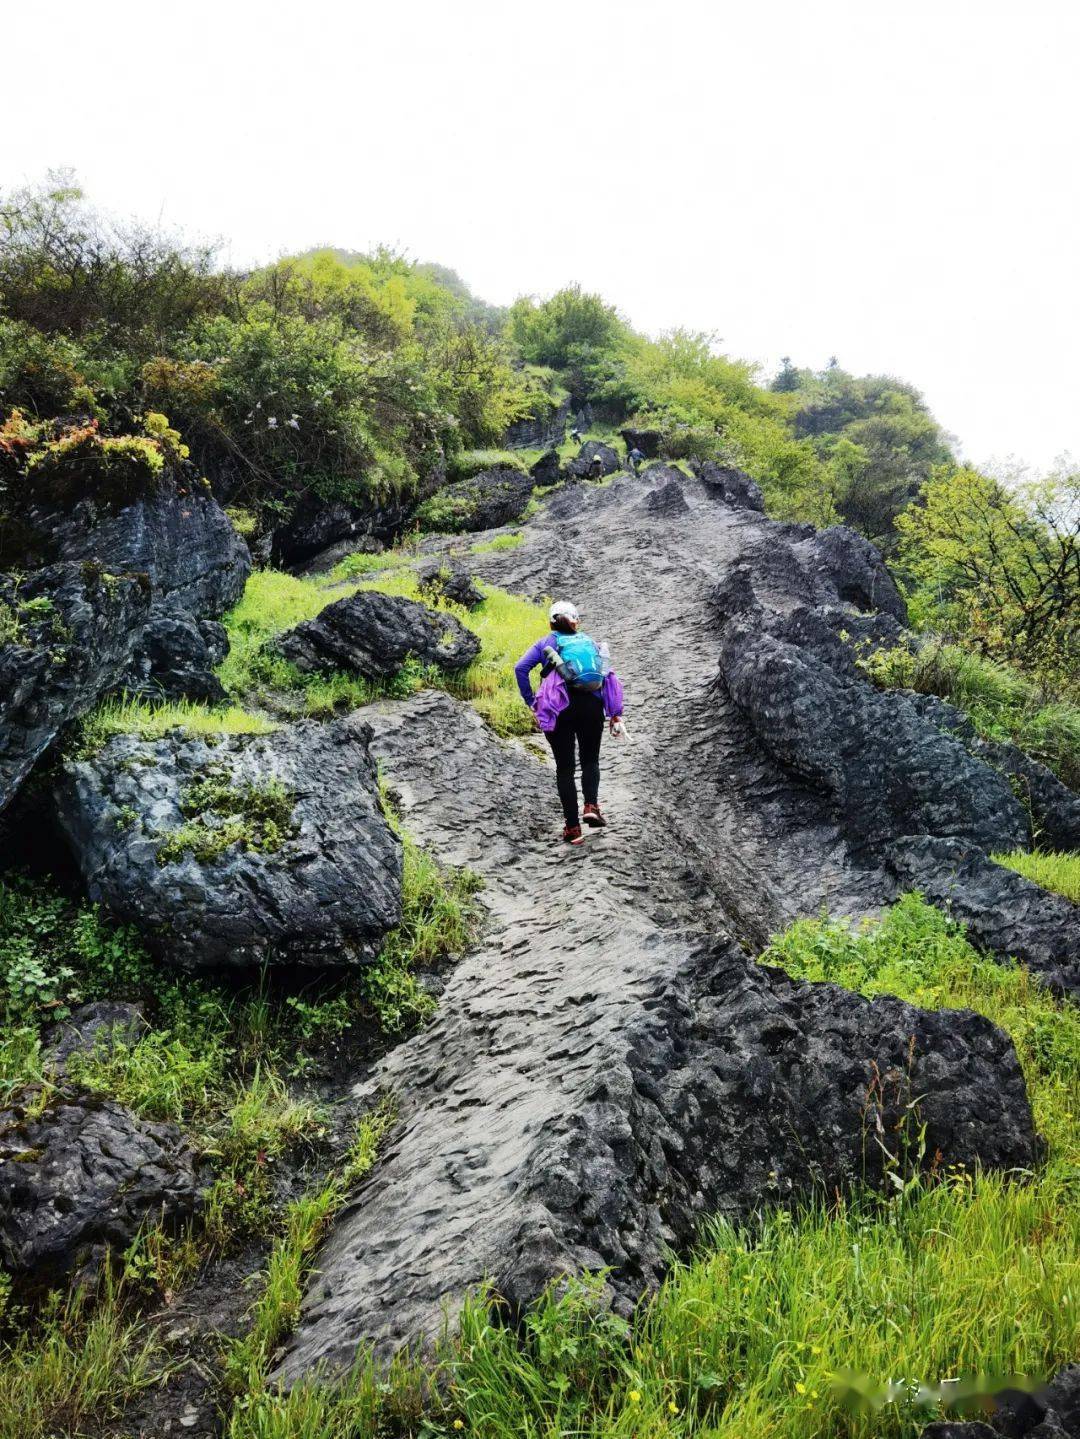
(592, 816)
(572, 834)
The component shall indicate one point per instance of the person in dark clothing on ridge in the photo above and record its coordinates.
(578, 689)
(634, 459)
(596, 467)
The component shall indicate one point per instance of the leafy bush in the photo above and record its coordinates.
(997, 564)
(1002, 704)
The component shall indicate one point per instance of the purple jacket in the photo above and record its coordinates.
(553, 696)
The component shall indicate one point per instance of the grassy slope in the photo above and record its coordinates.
(1057, 871)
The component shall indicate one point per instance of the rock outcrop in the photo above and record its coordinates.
(66, 637)
(93, 1028)
(175, 659)
(690, 1080)
(447, 582)
(547, 468)
(80, 1176)
(268, 849)
(583, 465)
(1049, 1413)
(373, 635)
(647, 441)
(179, 537)
(494, 497)
(536, 430)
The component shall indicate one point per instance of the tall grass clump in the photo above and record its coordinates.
(1001, 703)
(152, 721)
(921, 955)
(75, 1368)
(468, 463)
(1058, 871)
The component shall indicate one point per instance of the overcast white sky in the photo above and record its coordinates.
(895, 184)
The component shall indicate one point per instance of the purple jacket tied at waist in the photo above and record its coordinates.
(553, 696)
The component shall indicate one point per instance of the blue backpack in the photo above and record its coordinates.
(582, 665)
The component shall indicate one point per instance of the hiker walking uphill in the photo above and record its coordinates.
(578, 689)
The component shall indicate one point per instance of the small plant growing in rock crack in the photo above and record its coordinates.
(219, 814)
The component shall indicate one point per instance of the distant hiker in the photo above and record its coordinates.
(578, 688)
(596, 467)
(634, 459)
(575, 435)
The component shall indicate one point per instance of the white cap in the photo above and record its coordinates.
(563, 609)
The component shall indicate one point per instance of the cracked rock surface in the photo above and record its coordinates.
(325, 896)
(81, 1176)
(608, 1066)
(598, 1081)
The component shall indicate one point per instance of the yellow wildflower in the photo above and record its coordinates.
(634, 1396)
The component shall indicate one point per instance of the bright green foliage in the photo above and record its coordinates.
(998, 565)
(708, 407)
(306, 1220)
(875, 433)
(220, 814)
(506, 625)
(921, 955)
(500, 542)
(64, 462)
(474, 462)
(1059, 872)
(564, 331)
(1001, 703)
(151, 721)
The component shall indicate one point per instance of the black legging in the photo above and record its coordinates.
(582, 720)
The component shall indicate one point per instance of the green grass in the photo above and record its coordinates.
(276, 1310)
(222, 1064)
(506, 626)
(151, 721)
(73, 1370)
(273, 602)
(473, 462)
(1058, 871)
(999, 701)
(500, 542)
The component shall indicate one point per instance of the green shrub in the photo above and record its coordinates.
(1002, 704)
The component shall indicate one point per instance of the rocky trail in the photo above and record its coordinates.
(609, 1066)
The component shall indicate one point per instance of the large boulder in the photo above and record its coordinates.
(547, 468)
(733, 486)
(255, 849)
(175, 659)
(178, 536)
(494, 497)
(548, 428)
(66, 637)
(81, 1175)
(374, 634)
(583, 466)
(97, 1027)
(647, 441)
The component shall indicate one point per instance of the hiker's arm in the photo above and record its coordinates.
(533, 656)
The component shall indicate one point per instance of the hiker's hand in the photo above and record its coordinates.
(616, 725)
